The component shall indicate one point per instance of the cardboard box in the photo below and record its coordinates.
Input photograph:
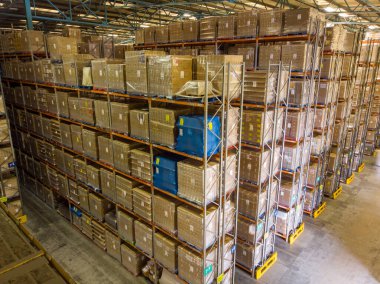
(320, 120)
(99, 72)
(76, 137)
(285, 222)
(254, 166)
(191, 266)
(73, 190)
(113, 245)
(288, 193)
(86, 110)
(107, 181)
(175, 32)
(299, 55)
(72, 32)
(102, 114)
(190, 181)
(168, 74)
(31, 41)
(150, 35)
(124, 188)
(126, 226)
(246, 24)
(139, 120)
(142, 202)
(162, 34)
(248, 255)
(269, 54)
(144, 237)
(69, 164)
(93, 177)
(73, 68)
(190, 226)
(121, 155)
(105, 150)
(251, 203)
(99, 206)
(58, 46)
(165, 251)
(133, 260)
(90, 143)
(226, 27)
(249, 231)
(190, 30)
(301, 21)
(120, 116)
(292, 157)
(270, 23)
(207, 28)
(80, 170)
(141, 164)
(295, 128)
(256, 128)
(116, 77)
(165, 213)
(137, 77)
(83, 198)
(63, 104)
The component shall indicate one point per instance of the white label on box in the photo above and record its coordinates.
(89, 143)
(299, 16)
(100, 73)
(192, 181)
(114, 246)
(59, 71)
(244, 253)
(55, 46)
(138, 73)
(248, 23)
(142, 204)
(124, 193)
(323, 86)
(208, 26)
(120, 116)
(247, 56)
(251, 229)
(191, 28)
(226, 25)
(271, 56)
(250, 127)
(166, 253)
(294, 55)
(108, 184)
(182, 74)
(180, 132)
(162, 75)
(191, 228)
(75, 107)
(106, 149)
(129, 259)
(68, 47)
(247, 202)
(96, 207)
(122, 156)
(293, 91)
(272, 20)
(102, 111)
(37, 39)
(289, 125)
(66, 135)
(144, 238)
(254, 84)
(70, 71)
(157, 171)
(166, 213)
(249, 166)
(117, 74)
(191, 269)
(282, 193)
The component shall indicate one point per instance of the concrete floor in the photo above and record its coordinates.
(341, 246)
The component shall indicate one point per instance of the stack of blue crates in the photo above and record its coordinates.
(165, 172)
(191, 134)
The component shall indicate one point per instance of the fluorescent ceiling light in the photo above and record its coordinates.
(186, 15)
(343, 15)
(329, 25)
(45, 10)
(330, 9)
(113, 35)
(144, 26)
(87, 16)
(372, 27)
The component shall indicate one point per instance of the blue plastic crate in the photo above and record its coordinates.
(191, 135)
(165, 172)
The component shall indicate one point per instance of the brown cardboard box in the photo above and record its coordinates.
(168, 74)
(162, 124)
(191, 266)
(142, 202)
(121, 154)
(150, 35)
(93, 177)
(269, 54)
(297, 54)
(248, 255)
(99, 72)
(165, 251)
(58, 46)
(341, 111)
(80, 170)
(254, 166)
(320, 118)
(113, 245)
(63, 104)
(137, 77)
(207, 28)
(73, 68)
(256, 128)
(285, 222)
(69, 164)
(246, 24)
(165, 213)
(99, 206)
(86, 110)
(325, 93)
(105, 150)
(162, 34)
(116, 77)
(133, 260)
(190, 226)
(249, 231)
(248, 56)
(139, 119)
(270, 23)
(313, 174)
(301, 21)
(175, 32)
(90, 143)
(295, 128)
(190, 181)
(292, 157)
(190, 30)
(144, 237)
(126, 226)
(31, 41)
(73, 191)
(74, 108)
(288, 193)
(226, 27)
(102, 114)
(251, 202)
(107, 181)
(141, 164)
(124, 191)
(83, 198)
(317, 144)
(76, 136)
(72, 32)
(120, 116)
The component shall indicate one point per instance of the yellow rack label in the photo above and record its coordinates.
(210, 125)
(23, 219)
(3, 199)
(220, 278)
(181, 121)
(157, 161)
(167, 118)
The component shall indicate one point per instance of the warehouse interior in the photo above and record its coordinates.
(190, 141)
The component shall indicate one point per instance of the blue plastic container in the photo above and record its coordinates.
(165, 173)
(191, 135)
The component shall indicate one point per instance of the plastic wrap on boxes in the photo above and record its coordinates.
(295, 125)
(191, 266)
(105, 150)
(165, 251)
(58, 46)
(141, 165)
(292, 157)
(165, 213)
(144, 237)
(30, 41)
(93, 177)
(299, 55)
(126, 226)
(99, 72)
(120, 116)
(142, 202)
(163, 124)
(254, 128)
(288, 193)
(167, 74)
(299, 92)
(320, 120)
(121, 153)
(72, 32)
(139, 120)
(248, 255)
(191, 135)
(63, 104)
(137, 76)
(254, 166)
(102, 114)
(190, 181)
(333, 37)
(116, 77)
(249, 231)
(248, 54)
(285, 222)
(59, 74)
(90, 143)
(107, 182)
(113, 245)
(150, 35)
(251, 202)
(190, 30)
(175, 32)
(162, 34)
(123, 188)
(246, 24)
(269, 54)
(270, 23)
(99, 206)
(301, 21)
(73, 68)
(132, 259)
(207, 28)
(226, 27)
(165, 173)
(139, 37)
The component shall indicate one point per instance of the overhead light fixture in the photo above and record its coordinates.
(330, 9)
(45, 10)
(372, 27)
(144, 26)
(329, 24)
(186, 15)
(343, 15)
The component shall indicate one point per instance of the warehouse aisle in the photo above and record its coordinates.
(331, 250)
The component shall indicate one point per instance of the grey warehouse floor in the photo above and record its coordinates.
(341, 246)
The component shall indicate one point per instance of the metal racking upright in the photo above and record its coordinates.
(218, 258)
